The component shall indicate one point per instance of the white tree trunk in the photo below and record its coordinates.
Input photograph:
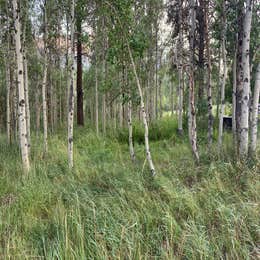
(130, 130)
(104, 112)
(37, 109)
(26, 80)
(192, 111)
(234, 97)
(44, 84)
(254, 119)
(222, 95)
(223, 76)
(8, 117)
(8, 82)
(96, 98)
(71, 87)
(27, 105)
(244, 119)
(146, 135)
(21, 94)
(209, 84)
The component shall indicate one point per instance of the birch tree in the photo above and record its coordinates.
(130, 130)
(243, 84)
(180, 70)
(223, 74)
(20, 83)
(209, 71)
(192, 111)
(26, 78)
(71, 86)
(254, 117)
(234, 97)
(8, 80)
(44, 83)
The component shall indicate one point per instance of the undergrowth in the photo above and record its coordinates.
(108, 208)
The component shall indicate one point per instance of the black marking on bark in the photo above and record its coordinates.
(21, 103)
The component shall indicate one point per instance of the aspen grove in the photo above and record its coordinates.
(119, 121)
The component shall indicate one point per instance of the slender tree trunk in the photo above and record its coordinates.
(8, 81)
(54, 105)
(8, 113)
(27, 106)
(15, 105)
(146, 135)
(50, 97)
(254, 118)
(209, 85)
(201, 57)
(234, 94)
(104, 113)
(156, 73)
(121, 119)
(192, 111)
(21, 94)
(160, 98)
(104, 75)
(243, 86)
(180, 71)
(219, 82)
(37, 109)
(26, 81)
(71, 87)
(130, 131)
(223, 77)
(80, 112)
(172, 98)
(44, 84)
(96, 98)
(115, 114)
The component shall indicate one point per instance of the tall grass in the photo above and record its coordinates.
(108, 208)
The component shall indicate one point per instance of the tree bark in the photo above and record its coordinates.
(156, 72)
(192, 111)
(37, 109)
(254, 117)
(21, 94)
(146, 135)
(26, 81)
(96, 98)
(71, 86)
(27, 106)
(180, 72)
(8, 80)
(223, 75)
(130, 130)
(234, 96)
(8, 112)
(80, 111)
(44, 84)
(243, 86)
(209, 85)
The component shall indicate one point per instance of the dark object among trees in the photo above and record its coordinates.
(227, 122)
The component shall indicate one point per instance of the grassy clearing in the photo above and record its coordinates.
(108, 208)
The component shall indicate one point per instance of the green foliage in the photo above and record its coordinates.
(163, 129)
(108, 208)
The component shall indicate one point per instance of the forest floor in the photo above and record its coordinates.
(108, 208)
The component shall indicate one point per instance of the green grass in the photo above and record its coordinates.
(108, 208)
